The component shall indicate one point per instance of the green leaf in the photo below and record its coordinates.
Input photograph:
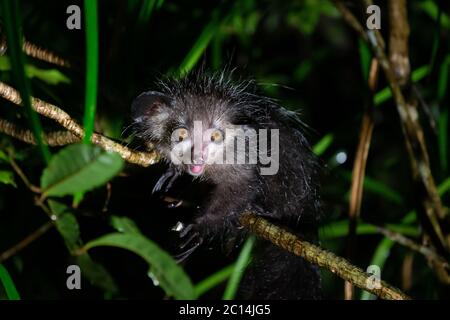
(432, 10)
(66, 224)
(79, 168)
(443, 139)
(170, 276)
(213, 280)
(97, 274)
(146, 11)
(377, 187)
(365, 56)
(383, 250)
(4, 156)
(124, 225)
(379, 259)
(216, 51)
(90, 101)
(340, 229)
(385, 94)
(303, 70)
(239, 268)
(307, 16)
(50, 76)
(219, 17)
(443, 79)
(321, 146)
(383, 190)
(8, 284)
(68, 227)
(7, 177)
(444, 187)
(201, 44)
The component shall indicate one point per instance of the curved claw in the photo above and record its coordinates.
(189, 240)
(175, 175)
(184, 255)
(171, 174)
(188, 233)
(185, 230)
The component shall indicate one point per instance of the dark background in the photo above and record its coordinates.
(301, 52)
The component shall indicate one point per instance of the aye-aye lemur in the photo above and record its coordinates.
(213, 129)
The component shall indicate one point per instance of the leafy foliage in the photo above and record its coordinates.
(163, 268)
(79, 168)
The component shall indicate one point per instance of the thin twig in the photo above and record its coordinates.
(350, 18)
(22, 176)
(359, 171)
(26, 241)
(428, 252)
(35, 51)
(108, 197)
(407, 271)
(426, 108)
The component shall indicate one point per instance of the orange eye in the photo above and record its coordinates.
(180, 134)
(217, 136)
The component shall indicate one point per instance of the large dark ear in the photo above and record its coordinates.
(149, 104)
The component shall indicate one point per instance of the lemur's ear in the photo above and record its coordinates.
(149, 104)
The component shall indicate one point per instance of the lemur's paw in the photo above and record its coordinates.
(191, 239)
(169, 176)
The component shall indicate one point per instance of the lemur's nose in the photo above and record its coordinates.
(198, 156)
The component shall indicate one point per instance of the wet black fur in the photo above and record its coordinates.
(290, 198)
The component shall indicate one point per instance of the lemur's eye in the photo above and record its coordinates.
(180, 134)
(217, 136)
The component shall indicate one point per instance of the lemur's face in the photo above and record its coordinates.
(196, 147)
(194, 133)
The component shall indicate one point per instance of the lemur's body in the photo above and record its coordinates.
(288, 198)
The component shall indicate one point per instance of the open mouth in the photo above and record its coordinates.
(196, 169)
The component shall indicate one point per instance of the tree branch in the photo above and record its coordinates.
(398, 41)
(39, 53)
(320, 257)
(36, 52)
(54, 139)
(53, 112)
